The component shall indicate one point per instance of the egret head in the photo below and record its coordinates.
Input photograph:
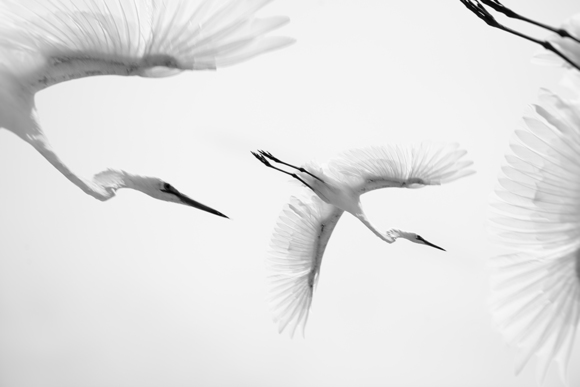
(111, 180)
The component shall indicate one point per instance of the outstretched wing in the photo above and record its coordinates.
(536, 292)
(298, 243)
(144, 37)
(401, 166)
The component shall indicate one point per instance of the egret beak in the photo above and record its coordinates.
(430, 244)
(183, 199)
(192, 203)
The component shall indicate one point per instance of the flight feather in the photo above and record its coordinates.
(145, 37)
(298, 243)
(536, 206)
(402, 165)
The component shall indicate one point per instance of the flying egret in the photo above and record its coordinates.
(564, 43)
(306, 223)
(44, 42)
(536, 290)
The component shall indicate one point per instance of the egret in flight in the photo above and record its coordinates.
(44, 42)
(306, 222)
(536, 290)
(565, 42)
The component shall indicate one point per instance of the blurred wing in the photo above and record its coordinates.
(298, 243)
(536, 292)
(401, 166)
(213, 33)
(163, 36)
(83, 28)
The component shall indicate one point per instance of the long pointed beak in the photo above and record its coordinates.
(432, 245)
(184, 199)
(192, 203)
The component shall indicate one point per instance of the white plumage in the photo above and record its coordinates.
(44, 42)
(536, 290)
(130, 37)
(307, 221)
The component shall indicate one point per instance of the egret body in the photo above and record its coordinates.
(44, 42)
(306, 222)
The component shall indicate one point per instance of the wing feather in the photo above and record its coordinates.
(141, 35)
(398, 165)
(298, 243)
(536, 291)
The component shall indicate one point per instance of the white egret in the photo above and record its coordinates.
(306, 223)
(565, 41)
(44, 42)
(536, 290)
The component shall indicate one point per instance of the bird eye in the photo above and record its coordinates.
(166, 187)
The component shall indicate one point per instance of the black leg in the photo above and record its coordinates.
(267, 163)
(499, 7)
(269, 155)
(481, 12)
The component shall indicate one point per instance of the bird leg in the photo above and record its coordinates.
(269, 155)
(480, 11)
(499, 7)
(261, 157)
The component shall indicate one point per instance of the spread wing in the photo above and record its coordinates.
(147, 37)
(298, 243)
(401, 166)
(536, 291)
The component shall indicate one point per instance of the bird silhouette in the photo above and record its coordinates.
(307, 221)
(43, 43)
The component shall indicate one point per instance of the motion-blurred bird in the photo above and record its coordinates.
(536, 290)
(564, 43)
(307, 222)
(44, 42)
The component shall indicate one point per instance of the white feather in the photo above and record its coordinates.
(67, 39)
(536, 291)
(44, 42)
(306, 222)
(420, 164)
(298, 243)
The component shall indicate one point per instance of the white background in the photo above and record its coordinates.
(139, 292)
